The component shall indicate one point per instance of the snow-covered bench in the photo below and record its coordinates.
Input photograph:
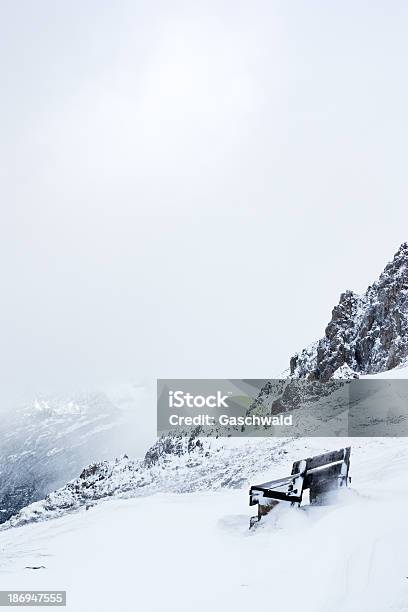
(320, 474)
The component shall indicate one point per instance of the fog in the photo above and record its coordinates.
(187, 187)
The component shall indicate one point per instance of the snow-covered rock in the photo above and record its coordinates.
(344, 372)
(368, 333)
(174, 464)
(47, 442)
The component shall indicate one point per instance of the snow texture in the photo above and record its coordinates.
(195, 552)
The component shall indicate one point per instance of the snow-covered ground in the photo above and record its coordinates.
(399, 373)
(188, 547)
(194, 551)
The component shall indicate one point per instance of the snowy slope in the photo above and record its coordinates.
(182, 465)
(194, 551)
(170, 532)
(400, 373)
(180, 550)
(48, 441)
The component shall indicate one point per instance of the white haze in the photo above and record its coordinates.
(187, 187)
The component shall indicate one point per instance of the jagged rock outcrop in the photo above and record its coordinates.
(367, 333)
(174, 464)
(177, 445)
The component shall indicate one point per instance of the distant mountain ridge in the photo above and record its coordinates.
(367, 333)
(45, 443)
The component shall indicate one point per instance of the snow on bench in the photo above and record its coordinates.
(320, 474)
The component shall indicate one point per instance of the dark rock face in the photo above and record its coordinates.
(367, 333)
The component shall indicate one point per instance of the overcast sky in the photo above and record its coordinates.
(187, 187)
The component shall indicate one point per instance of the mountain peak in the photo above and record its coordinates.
(367, 333)
(403, 250)
(398, 267)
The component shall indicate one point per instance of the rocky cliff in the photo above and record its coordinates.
(367, 333)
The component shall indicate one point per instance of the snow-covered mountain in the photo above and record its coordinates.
(124, 514)
(47, 442)
(367, 333)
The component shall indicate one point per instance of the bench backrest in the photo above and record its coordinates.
(332, 467)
